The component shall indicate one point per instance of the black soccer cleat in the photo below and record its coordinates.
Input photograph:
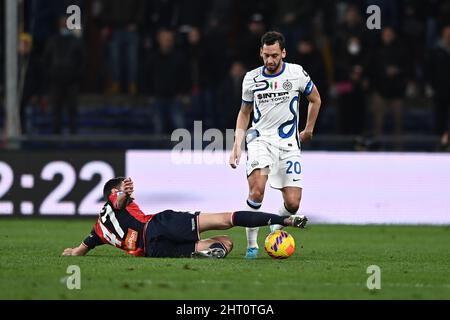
(298, 221)
(212, 253)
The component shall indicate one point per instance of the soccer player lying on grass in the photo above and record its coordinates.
(167, 234)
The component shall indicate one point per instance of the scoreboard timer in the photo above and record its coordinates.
(56, 184)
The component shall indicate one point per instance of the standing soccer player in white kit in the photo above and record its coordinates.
(273, 142)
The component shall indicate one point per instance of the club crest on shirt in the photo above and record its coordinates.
(287, 85)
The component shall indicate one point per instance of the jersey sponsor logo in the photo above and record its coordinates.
(271, 95)
(130, 240)
(287, 85)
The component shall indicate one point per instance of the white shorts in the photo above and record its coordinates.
(284, 166)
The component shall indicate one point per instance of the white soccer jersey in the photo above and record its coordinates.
(275, 101)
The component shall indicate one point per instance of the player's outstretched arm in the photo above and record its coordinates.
(81, 250)
(313, 112)
(241, 127)
(91, 241)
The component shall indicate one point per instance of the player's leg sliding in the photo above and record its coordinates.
(283, 212)
(248, 219)
(259, 219)
(220, 247)
(252, 233)
(214, 248)
(215, 251)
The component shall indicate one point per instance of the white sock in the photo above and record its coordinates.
(252, 237)
(252, 233)
(283, 213)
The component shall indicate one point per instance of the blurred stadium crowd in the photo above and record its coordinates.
(165, 63)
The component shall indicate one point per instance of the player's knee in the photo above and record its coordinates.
(224, 221)
(257, 196)
(292, 206)
(292, 202)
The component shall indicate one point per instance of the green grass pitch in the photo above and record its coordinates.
(414, 262)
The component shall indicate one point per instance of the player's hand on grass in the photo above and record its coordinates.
(306, 135)
(235, 156)
(79, 251)
(69, 252)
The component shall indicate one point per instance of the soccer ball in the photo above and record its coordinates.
(279, 245)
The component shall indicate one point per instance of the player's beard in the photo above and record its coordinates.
(273, 68)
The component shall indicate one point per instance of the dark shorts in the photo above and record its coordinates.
(172, 234)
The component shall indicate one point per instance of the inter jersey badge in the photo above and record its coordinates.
(287, 85)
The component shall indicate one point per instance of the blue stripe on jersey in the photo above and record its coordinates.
(276, 74)
(292, 123)
(309, 88)
(257, 114)
(248, 102)
(265, 82)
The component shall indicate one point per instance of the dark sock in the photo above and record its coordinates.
(251, 219)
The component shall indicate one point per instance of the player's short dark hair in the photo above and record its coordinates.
(111, 184)
(272, 37)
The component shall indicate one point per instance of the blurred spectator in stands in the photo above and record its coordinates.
(390, 70)
(439, 78)
(245, 9)
(229, 98)
(216, 35)
(249, 44)
(40, 17)
(202, 64)
(64, 61)
(413, 31)
(30, 82)
(220, 16)
(162, 13)
(350, 87)
(350, 55)
(295, 20)
(121, 22)
(159, 14)
(2, 50)
(307, 55)
(352, 25)
(193, 13)
(167, 80)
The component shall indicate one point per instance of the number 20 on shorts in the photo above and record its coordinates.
(296, 166)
